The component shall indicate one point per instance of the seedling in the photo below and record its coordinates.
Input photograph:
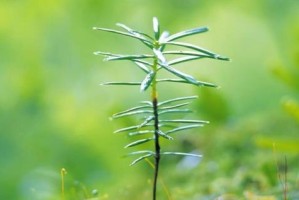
(156, 124)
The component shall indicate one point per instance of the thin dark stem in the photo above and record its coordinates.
(156, 132)
(157, 147)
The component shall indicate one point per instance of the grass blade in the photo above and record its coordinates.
(186, 33)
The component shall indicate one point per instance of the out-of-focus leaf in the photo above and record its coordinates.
(177, 99)
(288, 77)
(147, 81)
(139, 142)
(292, 107)
(196, 48)
(212, 105)
(186, 33)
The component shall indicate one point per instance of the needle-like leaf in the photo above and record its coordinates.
(186, 33)
(140, 158)
(177, 99)
(156, 28)
(139, 142)
(199, 49)
(160, 56)
(174, 106)
(147, 81)
(164, 135)
(140, 152)
(141, 132)
(121, 83)
(132, 109)
(185, 121)
(199, 83)
(142, 66)
(135, 32)
(132, 113)
(180, 154)
(186, 59)
(177, 73)
(146, 121)
(130, 128)
(174, 111)
(142, 39)
(183, 128)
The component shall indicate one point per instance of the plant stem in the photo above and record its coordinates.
(156, 126)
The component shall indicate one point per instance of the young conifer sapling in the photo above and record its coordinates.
(157, 120)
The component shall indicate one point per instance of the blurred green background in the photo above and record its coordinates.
(54, 114)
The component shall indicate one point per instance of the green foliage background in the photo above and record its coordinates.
(54, 114)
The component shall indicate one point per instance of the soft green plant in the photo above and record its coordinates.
(156, 124)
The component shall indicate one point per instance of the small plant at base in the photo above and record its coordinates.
(153, 110)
